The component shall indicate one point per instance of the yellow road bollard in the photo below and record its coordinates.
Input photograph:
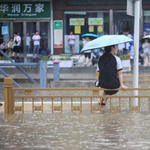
(9, 96)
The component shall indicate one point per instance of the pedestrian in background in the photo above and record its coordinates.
(3, 47)
(121, 46)
(146, 51)
(10, 47)
(36, 39)
(87, 53)
(17, 44)
(144, 33)
(28, 42)
(131, 51)
(71, 41)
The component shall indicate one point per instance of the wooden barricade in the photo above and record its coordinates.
(10, 97)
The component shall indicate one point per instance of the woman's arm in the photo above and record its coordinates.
(121, 81)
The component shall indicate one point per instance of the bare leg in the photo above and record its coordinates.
(144, 61)
(90, 62)
(17, 54)
(103, 100)
(73, 51)
(13, 54)
(85, 62)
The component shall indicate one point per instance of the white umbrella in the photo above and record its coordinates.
(106, 40)
(147, 36)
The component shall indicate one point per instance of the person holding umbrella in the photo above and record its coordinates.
(87, 37)
(109, 65)
(146, 51)
(87, 53)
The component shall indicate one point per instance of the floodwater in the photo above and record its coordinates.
(75, 131)
(78, 131)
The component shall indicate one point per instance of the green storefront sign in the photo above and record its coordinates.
(58, 25)
(25, 9)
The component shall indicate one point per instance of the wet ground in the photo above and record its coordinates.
(77, 131)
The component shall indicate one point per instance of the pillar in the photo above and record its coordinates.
(8, 96)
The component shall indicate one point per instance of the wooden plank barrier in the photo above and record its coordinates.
(10, 97)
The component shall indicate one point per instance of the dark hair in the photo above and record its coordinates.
(36, 31)
(4, 41)
(106, 55)
(11, 38)
(15, 32)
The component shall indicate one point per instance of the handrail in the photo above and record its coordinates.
(10, 97)
(22, 64)
(18, 67)
(73, 89)
(81, 96)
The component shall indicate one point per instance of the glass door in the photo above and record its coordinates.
(30, 31)
(45, 43)
(18, 28)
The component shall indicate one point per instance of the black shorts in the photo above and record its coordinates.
(71, 46)
(16, 49)
(110, 92)
(87, 55)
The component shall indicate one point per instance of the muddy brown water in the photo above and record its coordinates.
(77, 131)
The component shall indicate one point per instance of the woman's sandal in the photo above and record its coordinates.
(101, 102)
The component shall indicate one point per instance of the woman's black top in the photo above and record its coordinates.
(108, 67)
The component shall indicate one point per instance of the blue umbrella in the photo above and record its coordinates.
(89, 35)
(106, 40)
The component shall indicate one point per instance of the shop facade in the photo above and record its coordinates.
(99, 17)
(26, 17)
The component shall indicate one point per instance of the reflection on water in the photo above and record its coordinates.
(75, 131)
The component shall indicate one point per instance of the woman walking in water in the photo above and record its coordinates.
(110, 75)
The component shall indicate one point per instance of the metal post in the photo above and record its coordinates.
(56, 71)
(43, 74)
(111, 25)
(8, 96)
(52, 31)
(136, 50)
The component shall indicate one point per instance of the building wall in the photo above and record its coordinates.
(59, 6)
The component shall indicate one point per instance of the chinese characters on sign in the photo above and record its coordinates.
(39, 8)
(3, 8)
(25, 10)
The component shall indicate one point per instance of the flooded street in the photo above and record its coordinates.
(75, 131)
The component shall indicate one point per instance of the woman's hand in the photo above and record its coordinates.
(125, 88)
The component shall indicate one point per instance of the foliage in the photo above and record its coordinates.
(46, 58)
(124, 57)
(3, 58)
(65, 58)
